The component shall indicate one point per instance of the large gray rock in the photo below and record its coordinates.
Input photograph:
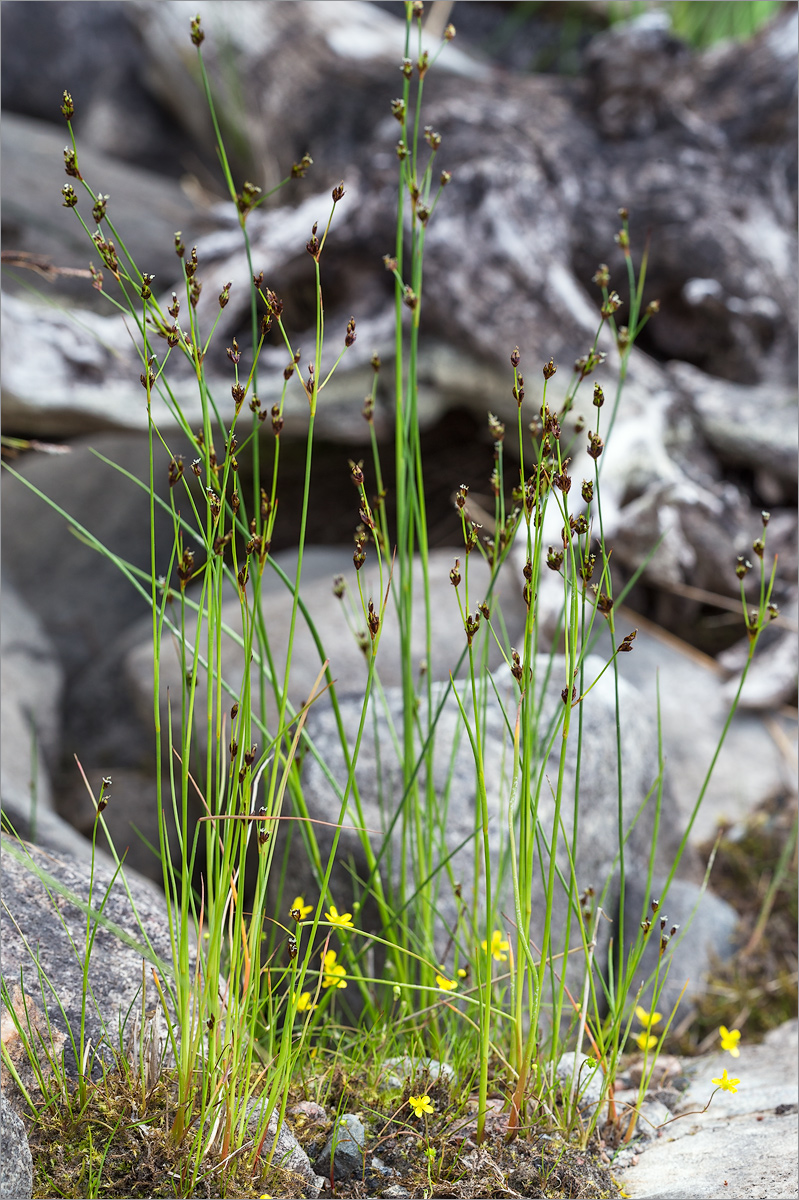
(72, 378)
(30, 702)
(721, 242)
(114, 113)
(41, 928)
(706, 937)
(338, 623)
(758, 758)
(743, 1146)
(546, 192)
(83, 598)
(146, 206)
(85, 603)
(771, 678)
(747, 427)
(453, 824)
(16, 1168)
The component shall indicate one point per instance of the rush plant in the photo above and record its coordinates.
(254, 988)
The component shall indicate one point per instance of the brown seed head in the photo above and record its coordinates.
(298, 169)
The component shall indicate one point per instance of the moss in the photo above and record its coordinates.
(536, 1165)
(116, 1147)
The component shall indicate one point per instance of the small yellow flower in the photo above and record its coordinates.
(303, 1002)
(730, 1039)
(446, 985)
(299, 906)
(498, 946)
(647, 1019)
(344, 920)
(421, 1105)
(726, 1085)
(333, 974)
(461, 973)
(645, 1041)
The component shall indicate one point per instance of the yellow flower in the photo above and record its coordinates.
(446, 985)
(336, 918)
(299, 906)
(726, 1085)
(334, 975)
(421, 1105)
(303, 1002)
(730, 1039)
(461, 973)
(647, 1019)
(646, 1041)
(498, 945)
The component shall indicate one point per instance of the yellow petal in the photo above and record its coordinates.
(446, 985)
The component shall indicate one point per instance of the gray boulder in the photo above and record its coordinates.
(74, 698)
(706, 937)
(758, 758)
(81, 597)
(30, 709)
(747, 427)
(41, 896)
(771, 679)
(338, 623)
(16, 1168)
(145, 207)
(742, 1145)
(454, 823)
(557, 185)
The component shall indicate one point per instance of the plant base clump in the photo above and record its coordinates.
(115, 1146)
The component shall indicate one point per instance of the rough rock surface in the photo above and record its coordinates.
(744, 1145)
(455, 818)
(709, 183)
(343, 1153)
(147, 206)
(700, 147)
(85, 604)
(16, 1168)
(37, 923)
(286, 1151)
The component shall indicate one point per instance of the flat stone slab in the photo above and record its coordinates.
(744, 1146)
